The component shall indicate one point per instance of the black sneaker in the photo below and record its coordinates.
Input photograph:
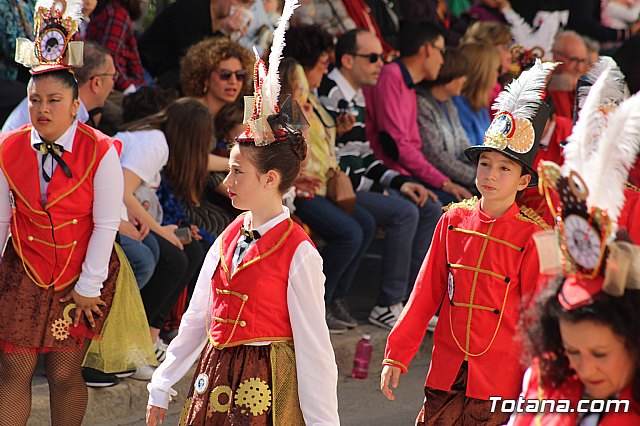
(341, 312)
(97, 379)
(335, 325)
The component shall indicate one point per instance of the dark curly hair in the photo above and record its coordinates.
(306, 43)
(545, 341)
(204, 57)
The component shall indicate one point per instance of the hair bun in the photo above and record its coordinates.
(298, 145)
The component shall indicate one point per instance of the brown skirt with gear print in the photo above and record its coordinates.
(244, 385)
(33, 320)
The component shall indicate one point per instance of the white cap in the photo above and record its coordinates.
(366, 336)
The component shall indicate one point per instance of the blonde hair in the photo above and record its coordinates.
(483, 62)
(493, 33)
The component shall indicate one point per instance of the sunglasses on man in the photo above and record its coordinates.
(372, 57)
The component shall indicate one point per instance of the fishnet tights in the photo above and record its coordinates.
(67, 391)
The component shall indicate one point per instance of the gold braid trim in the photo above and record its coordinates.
(631, 187)
(467, 204)
(529, 215)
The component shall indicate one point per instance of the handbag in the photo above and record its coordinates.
(340, 190)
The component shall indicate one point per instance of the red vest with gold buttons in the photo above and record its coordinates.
(52, 239)
(250, 305)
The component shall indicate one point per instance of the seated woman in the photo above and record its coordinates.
(145, 151)
(482, 74)
(443, 137)
(347, 236)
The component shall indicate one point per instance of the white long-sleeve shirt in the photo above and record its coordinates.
(317, 372)
(108, 188)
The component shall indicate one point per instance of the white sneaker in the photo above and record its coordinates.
(143, 373)
(161, 350)
(432, 324)
(385, 316)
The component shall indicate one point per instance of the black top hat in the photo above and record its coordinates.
(520, 120)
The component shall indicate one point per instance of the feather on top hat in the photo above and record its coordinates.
(586, 196)
(266, 121)
(519, 122)
(56, 22)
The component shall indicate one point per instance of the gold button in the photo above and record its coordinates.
(243, 323)
(30, 238)
(74, 221)
(245, 297)
(75, 242)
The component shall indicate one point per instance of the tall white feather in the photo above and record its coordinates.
(616, 153)
(613, 92)
(582, 142)
(271, 88)
(524, 94)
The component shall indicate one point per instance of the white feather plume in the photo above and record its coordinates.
(73, 8)
(583, 140)
(608, 168)
(613, 92)
(524, 35)
(271, 88)
(524, 94)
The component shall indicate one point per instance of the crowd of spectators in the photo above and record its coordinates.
(393, 92)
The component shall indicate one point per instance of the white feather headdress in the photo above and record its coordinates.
(264, 103)
(529, 38)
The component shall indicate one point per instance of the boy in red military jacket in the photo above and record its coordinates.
(482, 268)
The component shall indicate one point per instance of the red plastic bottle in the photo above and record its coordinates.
(362, 358)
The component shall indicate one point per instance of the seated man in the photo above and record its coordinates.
(392, 116)
(409, 212)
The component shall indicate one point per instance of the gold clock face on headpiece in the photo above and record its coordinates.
(52, 44)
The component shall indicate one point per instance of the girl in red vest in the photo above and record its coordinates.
(256, 318)
(60, 193)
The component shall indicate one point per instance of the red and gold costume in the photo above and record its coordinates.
(239, 305)
(483, 272)
(49, 243)
(571, 389)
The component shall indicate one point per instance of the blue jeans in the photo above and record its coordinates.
(408, 234)
(142, 255)
(429, 215)
(399, 218)
(347, 238)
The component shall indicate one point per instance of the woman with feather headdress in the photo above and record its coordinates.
(584, 341)
(60, 195)
(260, 291)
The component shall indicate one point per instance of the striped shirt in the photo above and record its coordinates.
(353, 151)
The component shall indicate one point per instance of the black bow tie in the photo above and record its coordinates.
(248, 234)
(55, 150)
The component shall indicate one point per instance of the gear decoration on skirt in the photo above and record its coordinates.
(185, 412)
(215, 406)
(255, 395)
(60, 327)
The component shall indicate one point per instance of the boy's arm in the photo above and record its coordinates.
(405, 338)
(531, 281)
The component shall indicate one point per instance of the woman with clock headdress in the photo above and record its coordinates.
(585, 340)
(60, 197)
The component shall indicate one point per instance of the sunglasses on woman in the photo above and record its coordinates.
(226, 74)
